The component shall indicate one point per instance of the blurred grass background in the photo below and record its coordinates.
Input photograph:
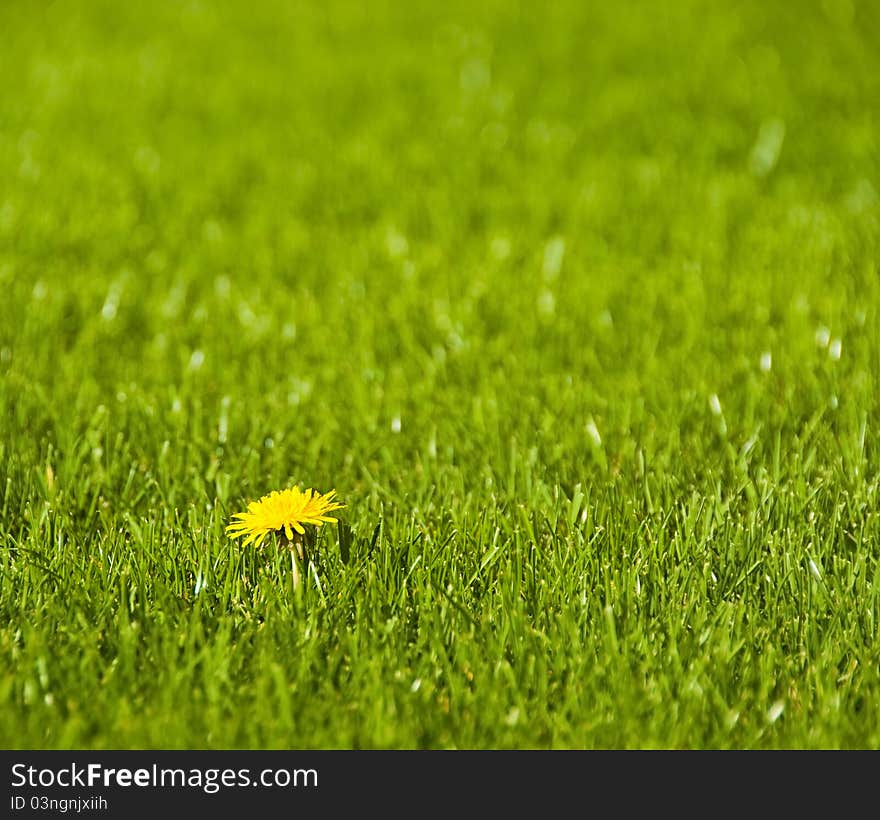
(466, 263)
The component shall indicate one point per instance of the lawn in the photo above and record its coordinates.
(575, 305)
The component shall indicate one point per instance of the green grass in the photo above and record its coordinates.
(575, 306)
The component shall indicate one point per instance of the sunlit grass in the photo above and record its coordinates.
(576, 308)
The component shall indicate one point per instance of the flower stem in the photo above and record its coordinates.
(294, 571)
(299, 554)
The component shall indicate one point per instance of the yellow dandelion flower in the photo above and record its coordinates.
(285, 510)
